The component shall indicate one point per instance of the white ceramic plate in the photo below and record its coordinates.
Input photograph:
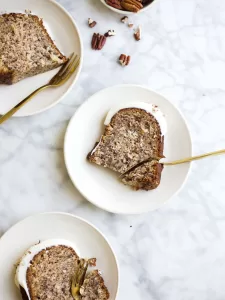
(123, 12)
(65, 33)
(101, 186)
(90, 242)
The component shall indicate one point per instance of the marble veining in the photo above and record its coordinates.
(177, 252)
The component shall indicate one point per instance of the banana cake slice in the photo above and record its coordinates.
(134, 133)
(47, 269)
(26, 49)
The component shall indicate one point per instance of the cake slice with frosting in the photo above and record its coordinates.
(47, 269)
(133, 134)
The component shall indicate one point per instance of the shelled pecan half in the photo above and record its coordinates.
(131, 5)
(98, 41)
(114, 3)
(124, 59)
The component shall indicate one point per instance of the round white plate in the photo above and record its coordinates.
(65, 34)
(101, 186)
(89, 242)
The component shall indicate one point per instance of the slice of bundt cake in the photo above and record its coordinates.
(26, 49)
(52, 270)
(45, 271)
(132, 135)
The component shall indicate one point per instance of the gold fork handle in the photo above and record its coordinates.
(189, 159)
(13, 110)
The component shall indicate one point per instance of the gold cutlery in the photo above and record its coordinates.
(176, 162)
(197, 157)
(59, 79)
(78, 278)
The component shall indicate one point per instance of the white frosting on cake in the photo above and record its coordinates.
(150, 108)
(21, 271)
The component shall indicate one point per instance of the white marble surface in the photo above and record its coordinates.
(177, 252)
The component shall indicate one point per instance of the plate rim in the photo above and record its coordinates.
(114, 211)
(81, 219)
(78, 70)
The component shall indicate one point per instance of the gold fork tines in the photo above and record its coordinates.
(66, 70)
(78, 278)
(59, 79)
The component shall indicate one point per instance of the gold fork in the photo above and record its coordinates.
(59, 79)
(197, 157)
(78, 278)
(175, 162)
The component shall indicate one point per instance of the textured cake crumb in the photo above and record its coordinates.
(49, 276)
(94, 287)
(132, 136)
(147, 176)
(26, 49)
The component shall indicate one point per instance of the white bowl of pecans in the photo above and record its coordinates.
(128, 6)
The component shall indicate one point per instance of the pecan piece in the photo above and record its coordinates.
(124, 19)
(110, 33)
(91, 23)
(137, 34)
(92, 262)
(131, 5)
(124, 59)
(98, 41)
(114, 3)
